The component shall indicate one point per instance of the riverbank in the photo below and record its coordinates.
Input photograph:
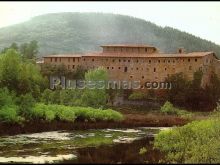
(132, 119)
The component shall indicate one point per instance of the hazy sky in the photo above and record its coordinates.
(199, 18)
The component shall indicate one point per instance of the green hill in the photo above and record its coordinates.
(83, 32)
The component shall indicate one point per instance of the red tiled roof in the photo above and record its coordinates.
(128, 45)
(64, 55)
(120, 55)
(156, 55)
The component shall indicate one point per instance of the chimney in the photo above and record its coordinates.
(181, 50)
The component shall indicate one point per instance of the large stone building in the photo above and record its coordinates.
(141, 62)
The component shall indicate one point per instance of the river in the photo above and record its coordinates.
(87, 146)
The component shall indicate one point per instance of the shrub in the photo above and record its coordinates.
(49, 115)
(142, 151)
(168, 108)
(136, 96)
(196, 142)
(9, 114)
(67, 115)
(26, 103)
(38, 111)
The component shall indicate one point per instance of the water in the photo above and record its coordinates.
(75, 146)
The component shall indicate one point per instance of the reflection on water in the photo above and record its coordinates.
(57, 146)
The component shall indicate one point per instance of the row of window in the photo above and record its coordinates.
(128, 49)
(137, 68)
(56, 59)
(149, 61)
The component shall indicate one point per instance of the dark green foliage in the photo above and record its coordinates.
(26, 103)
(20, 76)
(83, 32)
(61, 70)
(190, 94)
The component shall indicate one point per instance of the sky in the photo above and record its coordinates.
(198, 18)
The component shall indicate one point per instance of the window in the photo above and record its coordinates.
(107, 67)
(92, 59)
(145, 49)
(131, 76)
(73, 66)
(119, 60)
(142, 77)
(128, 60)
(113, 60)
(190, 67)
(164, 61)
(124, 60)
(137, 60)
(137, 68)
(84, 59)
(60, 59)
(154, 69)
(168, 61)
(112, 67)
(55, 59)
(68, 59)
(125, 69)
(165, 68)
(51, 59)
(196, 60)
(149, 61)
(189, 60)
(73, 59)
(158, 61)
(173, 61)
(119, 67)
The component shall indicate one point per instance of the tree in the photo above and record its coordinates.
(95, 97)
(29, 50)
(19, 76)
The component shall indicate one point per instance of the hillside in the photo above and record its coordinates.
(83, 32)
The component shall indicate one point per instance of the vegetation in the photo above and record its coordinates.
(96, 97)
(23, 87)
(197, 142)
(20, 76)
(136, 96)
(82, 32)
(169, 109)
(143, 150)
(191, 94)
(66, 113)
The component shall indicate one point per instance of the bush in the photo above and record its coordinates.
(49, 115)
(168, 108)
(136, 96)
(9, 114)
(26, 103)
(196, 142)
(66, 113)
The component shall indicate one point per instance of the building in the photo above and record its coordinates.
(141, 62)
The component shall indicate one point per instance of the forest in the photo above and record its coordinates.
(61, 33)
